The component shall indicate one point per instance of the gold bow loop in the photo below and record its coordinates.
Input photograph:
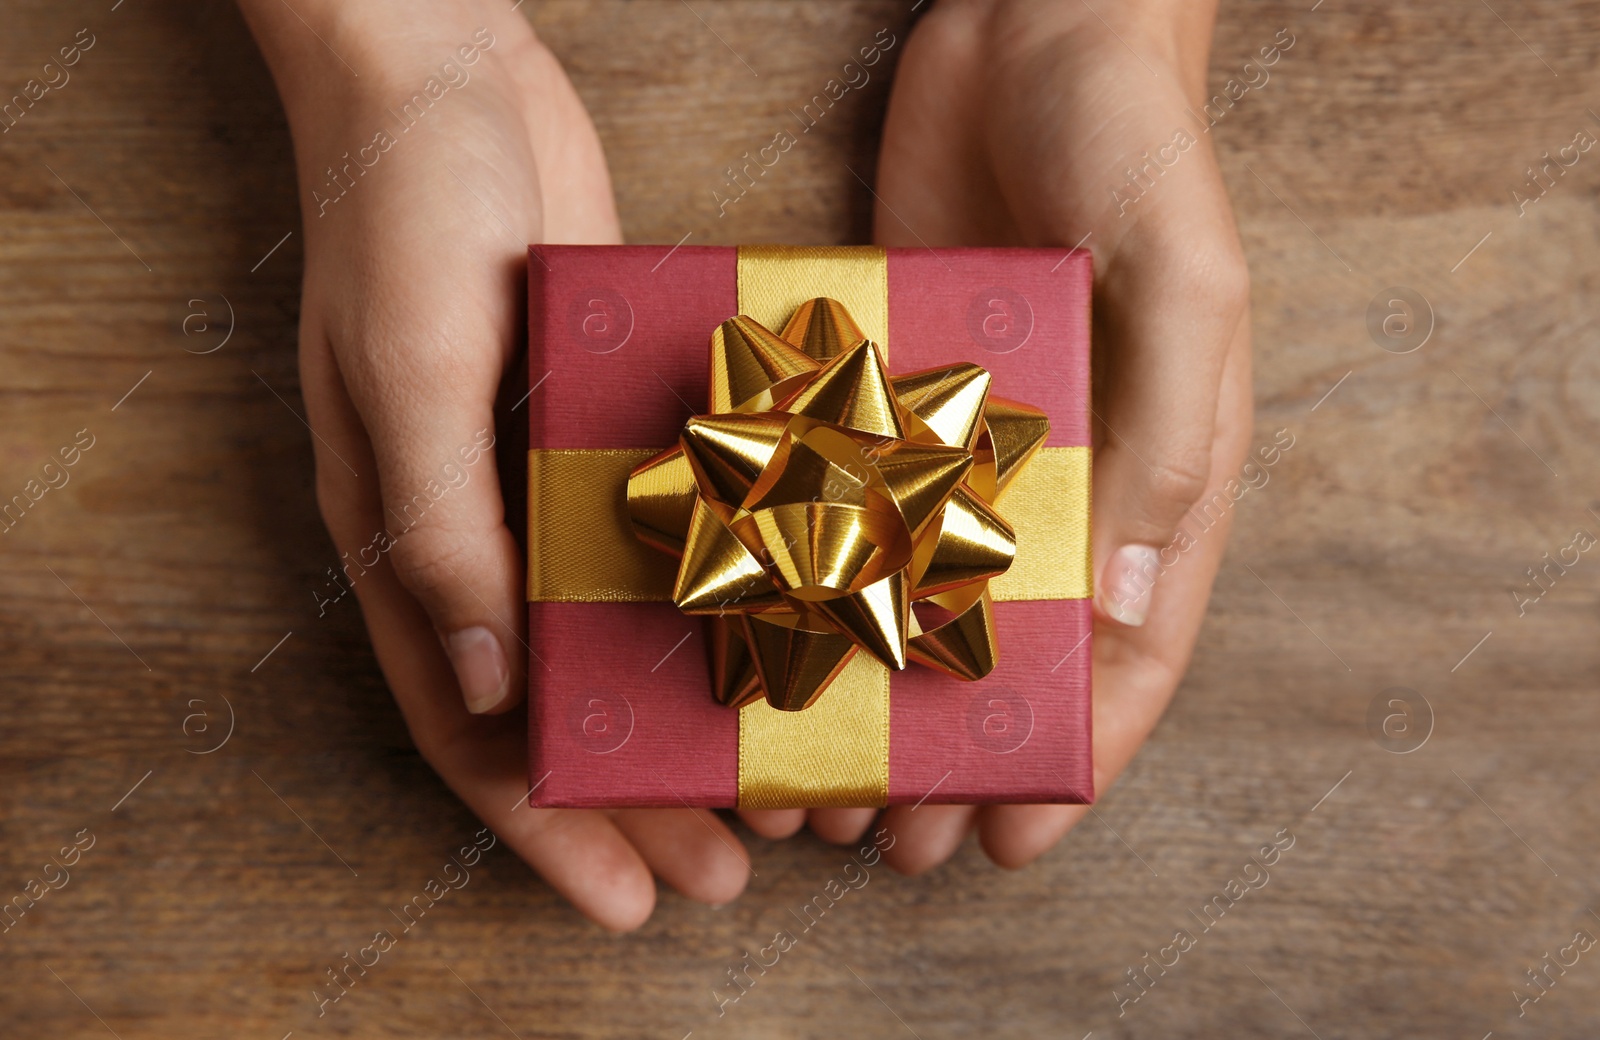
(824, 507)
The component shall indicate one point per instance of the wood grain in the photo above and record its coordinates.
(1384, 548)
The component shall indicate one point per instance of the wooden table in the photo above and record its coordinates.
(146, 602)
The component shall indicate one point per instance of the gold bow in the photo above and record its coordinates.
(822, 506)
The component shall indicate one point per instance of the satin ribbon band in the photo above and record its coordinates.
(602, 561)
(836, 752)
(775, 280)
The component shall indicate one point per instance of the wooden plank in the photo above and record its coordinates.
(174, 576)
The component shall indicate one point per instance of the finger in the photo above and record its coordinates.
(774, 824)
(1171, 282)
(1015, 835)
(840, 826)
(936, 184)
(926, 835)
(1166, 309)
(690, 849)
(574, 183)
(1137, 669)
(422, 374)
(580, 853)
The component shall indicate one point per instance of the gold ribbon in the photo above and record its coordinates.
(603, 562)
(835, 752)
(596, 559)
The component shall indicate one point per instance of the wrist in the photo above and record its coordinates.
(1173, 33)
(335, 58)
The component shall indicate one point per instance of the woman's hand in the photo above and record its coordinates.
(1015, 122)
(418, 205)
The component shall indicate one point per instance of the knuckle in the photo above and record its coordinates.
(429, 560)
(338, 503)
(1221, 277)
(332, 498)
(1177, 483)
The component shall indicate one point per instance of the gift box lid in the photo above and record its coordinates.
(620, 708)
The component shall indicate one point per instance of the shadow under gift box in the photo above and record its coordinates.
(621, 710)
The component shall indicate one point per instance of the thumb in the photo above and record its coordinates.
(452, 551)
(423, 383)
(1174, 297)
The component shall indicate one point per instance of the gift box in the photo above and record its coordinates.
(921, 634)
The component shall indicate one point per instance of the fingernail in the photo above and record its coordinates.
(480, 666)
(1127, 582)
